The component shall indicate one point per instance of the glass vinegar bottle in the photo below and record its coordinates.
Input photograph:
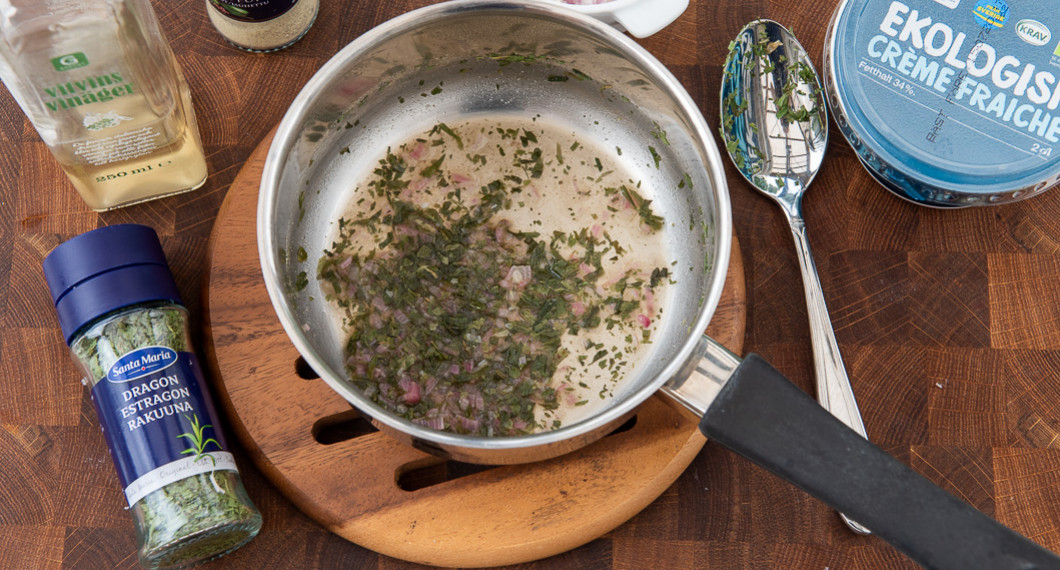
(101, 85)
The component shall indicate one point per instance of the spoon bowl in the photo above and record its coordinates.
(775, 128)
(774, 119)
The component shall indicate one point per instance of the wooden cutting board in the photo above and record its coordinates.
(390, 498)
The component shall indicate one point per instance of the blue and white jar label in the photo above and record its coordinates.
(159, 423)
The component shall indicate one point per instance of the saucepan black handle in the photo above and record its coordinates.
(767, 419)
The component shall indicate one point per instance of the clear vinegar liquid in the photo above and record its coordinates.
(175, 165)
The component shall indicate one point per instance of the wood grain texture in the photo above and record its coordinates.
(947, 320)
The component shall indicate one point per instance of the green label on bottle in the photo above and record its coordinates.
(69, 61)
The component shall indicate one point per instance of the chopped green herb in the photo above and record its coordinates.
(433, 168)
(655, 156)
(456, 316)
(442, 127)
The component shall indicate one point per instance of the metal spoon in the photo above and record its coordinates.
(775, 127)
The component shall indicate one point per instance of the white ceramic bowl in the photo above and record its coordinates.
(641, 18)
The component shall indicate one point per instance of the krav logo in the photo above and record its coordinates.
(1033, 32)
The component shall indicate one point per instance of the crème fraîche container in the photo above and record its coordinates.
(949, 103)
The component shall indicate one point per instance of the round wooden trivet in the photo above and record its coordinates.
(378, 493)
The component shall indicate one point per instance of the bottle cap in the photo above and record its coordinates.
(104, 270)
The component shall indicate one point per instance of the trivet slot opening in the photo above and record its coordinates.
(341, 427)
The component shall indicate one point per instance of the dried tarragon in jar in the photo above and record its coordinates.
(121, 314)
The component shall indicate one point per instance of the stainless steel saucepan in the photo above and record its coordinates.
(471, 58)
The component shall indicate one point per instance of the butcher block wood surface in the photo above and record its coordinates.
(949, 323)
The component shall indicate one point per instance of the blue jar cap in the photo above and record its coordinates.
(949, 102)
(104, 270)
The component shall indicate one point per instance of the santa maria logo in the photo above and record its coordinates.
(141, 362)
(1033, 32)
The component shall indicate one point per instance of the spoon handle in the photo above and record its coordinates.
(833, 387)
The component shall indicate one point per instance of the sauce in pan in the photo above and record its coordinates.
(496, 277)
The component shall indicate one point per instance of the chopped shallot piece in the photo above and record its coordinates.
(412, 391)
(518, 276)
(469, 424)
(417, 150)
(577, 308)
(437, 422)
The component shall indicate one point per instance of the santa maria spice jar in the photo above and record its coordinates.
(122, 317)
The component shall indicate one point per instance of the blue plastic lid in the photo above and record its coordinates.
(949, 102)
(104, 270)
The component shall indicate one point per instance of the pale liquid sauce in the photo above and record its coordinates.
(576, 191)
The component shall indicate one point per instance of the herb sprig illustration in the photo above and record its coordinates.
(196, 438)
